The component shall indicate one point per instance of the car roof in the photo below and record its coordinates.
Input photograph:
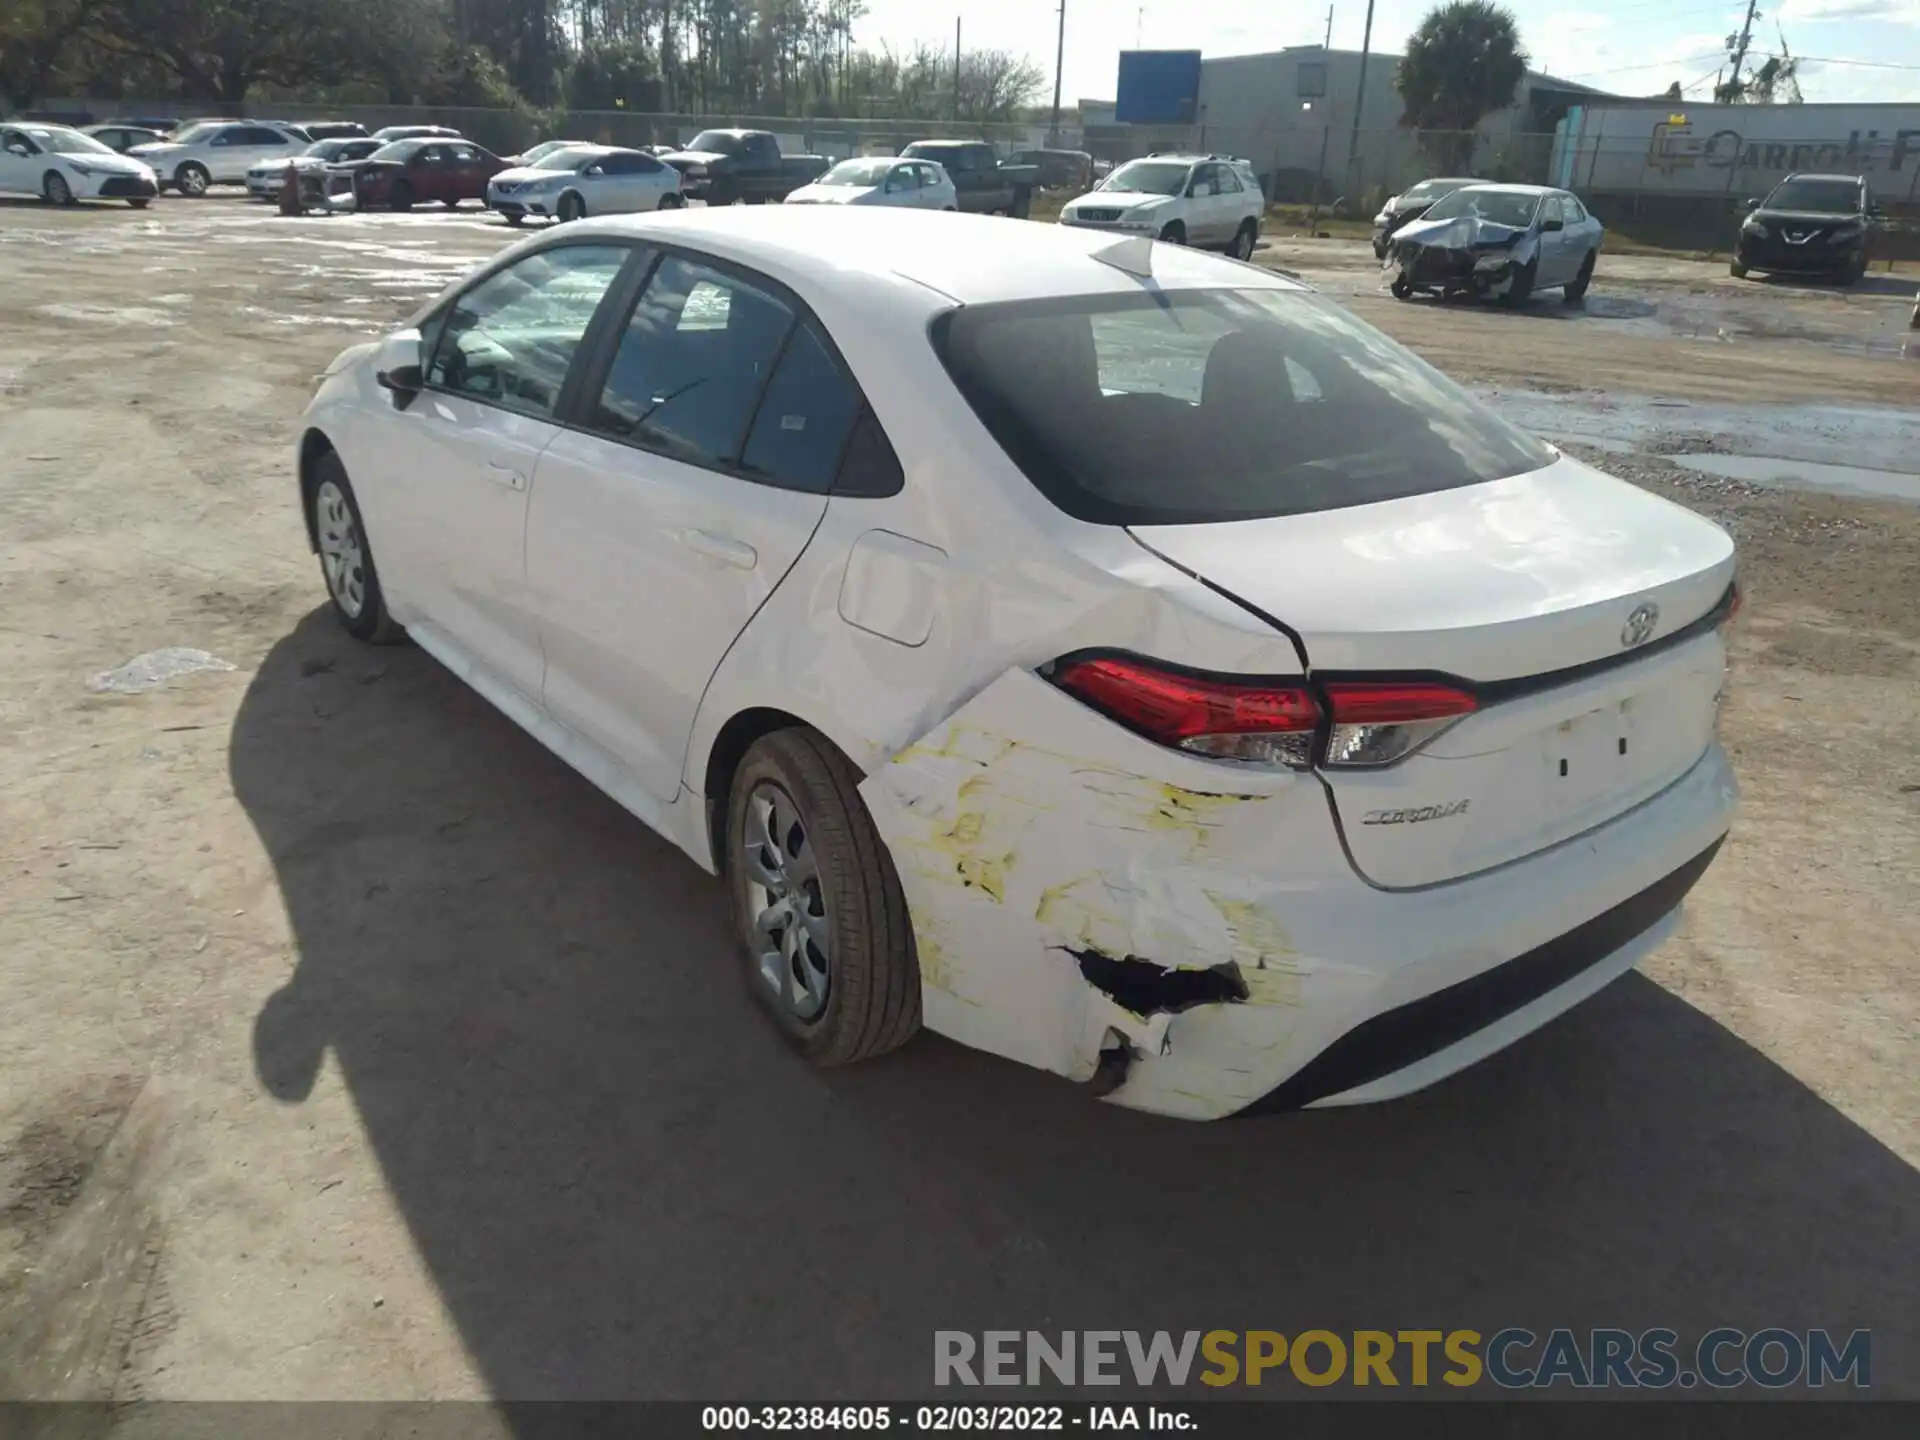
(971, 259)
(1532, 190)
(1839, 179)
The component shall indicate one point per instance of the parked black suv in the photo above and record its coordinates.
(1809, 225)
(1409, 206)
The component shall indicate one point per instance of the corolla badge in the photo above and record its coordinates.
(1640, 625)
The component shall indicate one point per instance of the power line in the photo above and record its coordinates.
(1652, 64)
(1863, 64)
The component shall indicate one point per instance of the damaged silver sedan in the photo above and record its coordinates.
(1500, 242)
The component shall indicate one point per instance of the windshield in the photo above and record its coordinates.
(715, 142)
(326, 149)
(857, 172)
(1502, 207)
(568, 157)
(194, 132)
(545, 147)
(1148, 177)
(69, 142)
(1196, 406)
(1433, 189)
(1819, 197)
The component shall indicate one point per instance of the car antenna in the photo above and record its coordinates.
(1133, 255)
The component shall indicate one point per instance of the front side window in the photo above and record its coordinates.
(692, 362)
(716, 142)
(260, 135)
(1196, 406)
(510, 340)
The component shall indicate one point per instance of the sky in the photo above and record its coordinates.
(1636, 47)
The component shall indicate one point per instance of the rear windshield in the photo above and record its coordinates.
(1818, 197)
(1194, 406)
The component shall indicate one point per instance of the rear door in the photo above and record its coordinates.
(695, 475)
(468, 169)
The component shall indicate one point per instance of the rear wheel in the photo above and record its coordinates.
(1243, 241)
(571, 207)
(193, 179)
(672, 202)
(451, 204)
(1577, 291)
(1737, 270)
(1402, 288)
(826, 941)
(140, 202)
(55, 190)
(515, 219)
(401, 196)
(1174, 233)
(346, 559)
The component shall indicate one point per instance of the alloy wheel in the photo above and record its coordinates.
(342, 555)
(791, 932)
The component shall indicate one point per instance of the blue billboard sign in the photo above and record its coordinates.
(1158, 87)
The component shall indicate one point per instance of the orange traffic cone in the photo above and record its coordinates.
(290, 192)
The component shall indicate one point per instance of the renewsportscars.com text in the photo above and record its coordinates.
(1721, 1359)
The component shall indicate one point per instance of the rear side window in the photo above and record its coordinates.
(691, 364)
(802, 424)
(1190, 407)
(510, 340)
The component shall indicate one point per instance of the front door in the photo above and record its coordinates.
(694, 480)
(448, 512)
(1555, 244)
(19, 163)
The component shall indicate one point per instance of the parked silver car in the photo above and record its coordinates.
(1500, 241)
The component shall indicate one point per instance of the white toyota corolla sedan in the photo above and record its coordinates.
(1112, 656)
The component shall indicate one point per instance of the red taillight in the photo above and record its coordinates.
(1372, 722)
(1226, 719)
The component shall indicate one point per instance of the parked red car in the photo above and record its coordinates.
(410, 172)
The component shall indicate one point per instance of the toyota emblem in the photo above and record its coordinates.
(1640, 625)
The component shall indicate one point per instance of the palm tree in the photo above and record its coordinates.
(1464, 62)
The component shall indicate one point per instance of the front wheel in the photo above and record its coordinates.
(515, 219)
(1737, 270)
(55, 190)
(1520, 289)
(346, 559)
(451, 204)
(193, 179)
(141, 202)
(571, 207)
(672, 202)
(1577, 291)
(826, 942)
(1174, 233)
(1401, 287)
(1244, 240)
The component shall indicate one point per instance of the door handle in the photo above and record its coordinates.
(723, 548)
(506, 475)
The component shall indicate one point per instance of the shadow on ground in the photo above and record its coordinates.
(625, 1186)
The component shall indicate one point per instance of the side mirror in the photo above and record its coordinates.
(1752, 205)
(21, 151)
(403, 381)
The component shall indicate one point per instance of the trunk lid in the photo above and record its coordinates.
(1533, 590)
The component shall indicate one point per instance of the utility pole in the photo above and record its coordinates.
(1359, 99)
(956, 67)
(1326, 128)
(1732, 90)
(1059, 67)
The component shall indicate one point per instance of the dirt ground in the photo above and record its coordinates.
(354, 1047)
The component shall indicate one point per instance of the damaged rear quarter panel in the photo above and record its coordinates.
(1051, 860)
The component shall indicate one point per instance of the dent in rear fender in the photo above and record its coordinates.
(1063, 902)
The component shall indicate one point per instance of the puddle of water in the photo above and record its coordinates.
(1804, 475)
(107, 314)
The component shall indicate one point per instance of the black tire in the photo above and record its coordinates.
(873, 986)
(515, 219)
(400, 197)
(451, 204)
(1174, 233)
(1856, 272)
(1737, 270)
(55, 190)
(673, 202)
(571, 207)
(1521, 290)
(141, 202)
(1401, 289)
(1244, 240)
(1577, 291)
(192, 179)
(372, 623)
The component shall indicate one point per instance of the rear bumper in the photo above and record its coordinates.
(1025, 845)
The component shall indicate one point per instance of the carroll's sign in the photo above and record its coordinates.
(1677, 144)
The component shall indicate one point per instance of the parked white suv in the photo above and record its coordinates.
(218, 152)
(1206, 200)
